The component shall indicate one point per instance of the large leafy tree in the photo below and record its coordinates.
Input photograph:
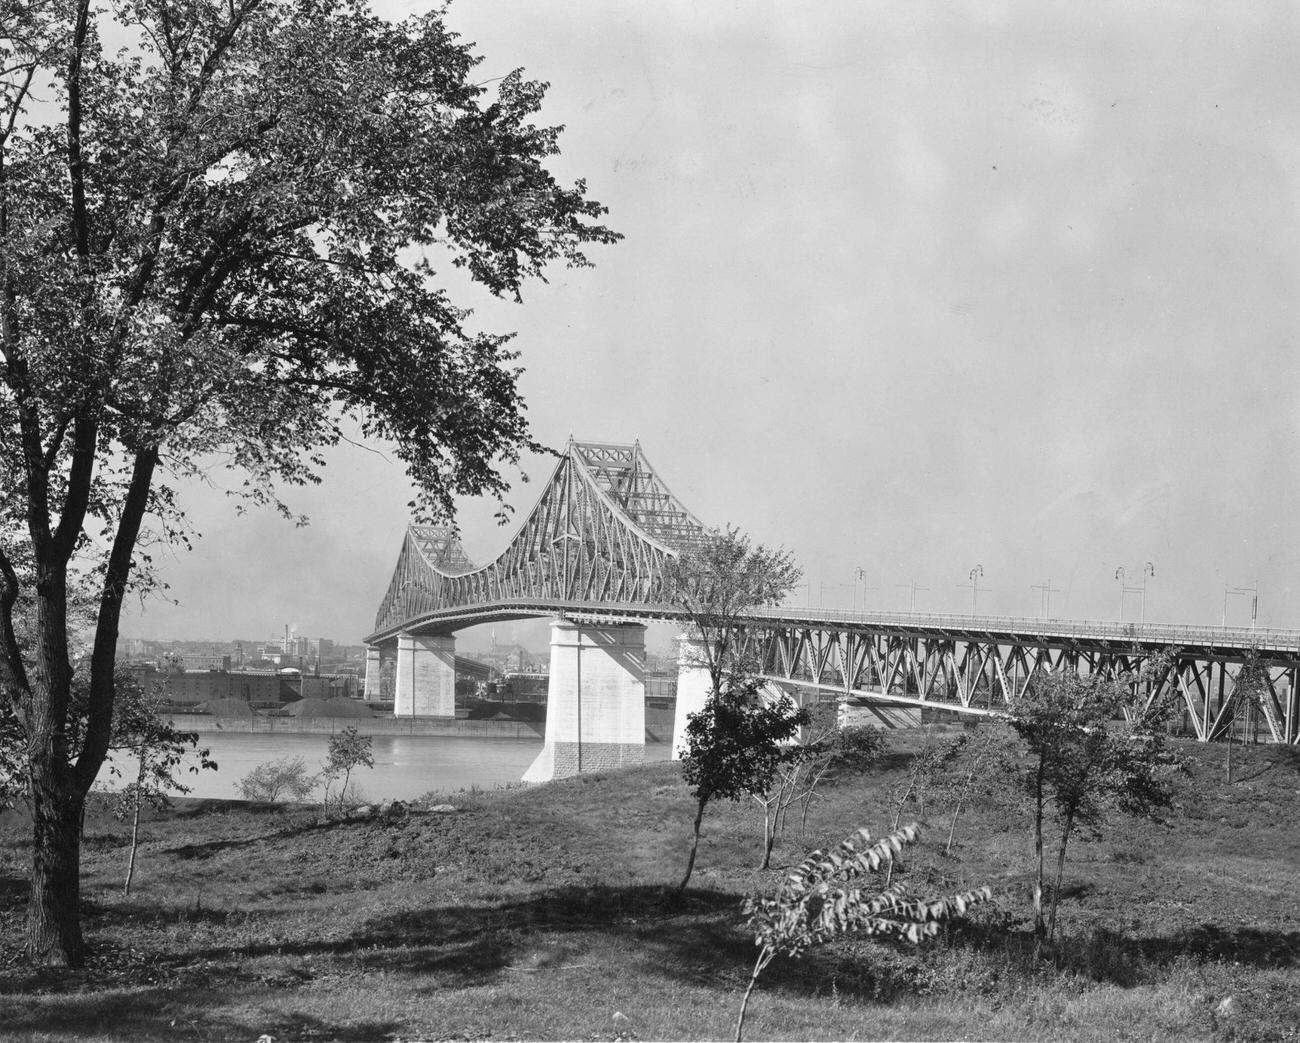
(220, 228)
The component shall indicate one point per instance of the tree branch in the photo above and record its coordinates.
(99, 724)
(76, 171)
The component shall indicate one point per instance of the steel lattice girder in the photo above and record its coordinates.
(982, 675)
(600, 533)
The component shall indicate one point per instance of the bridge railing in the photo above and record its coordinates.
(995, 627)
(1159, 633)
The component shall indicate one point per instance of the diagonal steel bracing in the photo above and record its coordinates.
(600, 533)
(947, 664)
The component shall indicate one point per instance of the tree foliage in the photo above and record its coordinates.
(1092, 748)
(823, 899)
(347, 752)
(717, 581)
(271, 781)
(220, 246)
(734, 747)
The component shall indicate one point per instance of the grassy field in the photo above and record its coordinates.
(551, 913)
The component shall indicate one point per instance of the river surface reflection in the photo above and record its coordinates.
(406, 766)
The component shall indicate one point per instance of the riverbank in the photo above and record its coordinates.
(551, 913)
(658, 725)
(446, 726)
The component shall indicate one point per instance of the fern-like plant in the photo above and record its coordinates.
(823, 899)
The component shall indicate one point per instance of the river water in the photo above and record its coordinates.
(406, 766)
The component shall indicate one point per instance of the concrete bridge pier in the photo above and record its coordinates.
(595, 702)
(693, 687)
(425, 682)
(376, 657)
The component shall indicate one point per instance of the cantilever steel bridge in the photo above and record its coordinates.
(594, 547)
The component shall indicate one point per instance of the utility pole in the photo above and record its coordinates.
(1253, 591)
(913, 588)
(1045, 597)
(823, 586)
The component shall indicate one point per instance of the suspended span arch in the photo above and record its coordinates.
(598, 537)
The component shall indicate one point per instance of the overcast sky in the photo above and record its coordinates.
(906, 287)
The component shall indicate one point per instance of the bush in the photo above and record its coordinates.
(272, 781)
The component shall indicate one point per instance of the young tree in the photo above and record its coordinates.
(734, 747)
(1249, 685)
(1086, 756)
(347, 752)
(717, 582)
(925, 772)
(982, 760)
(218, 247)
(823, 899)
(824, 749)
(158, 748)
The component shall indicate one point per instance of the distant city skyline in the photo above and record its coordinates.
(907, 289)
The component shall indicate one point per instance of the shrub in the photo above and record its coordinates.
(272, 781)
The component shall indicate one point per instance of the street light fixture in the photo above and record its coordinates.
(975, 576)
(860, 574)
(1148, 570)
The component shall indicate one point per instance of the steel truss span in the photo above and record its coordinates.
(600, 533)
(594, 547)
(979, 667)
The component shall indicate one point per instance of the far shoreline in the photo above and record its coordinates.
(657, 730)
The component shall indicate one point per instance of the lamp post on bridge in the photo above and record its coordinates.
(975, 588)
(1148, 570)
(860, 575)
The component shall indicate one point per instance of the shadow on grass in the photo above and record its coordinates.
(696, 938)
(167, 1014)
(295, 827)
(1110, 957)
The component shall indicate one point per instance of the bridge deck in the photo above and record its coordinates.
(1002, 629)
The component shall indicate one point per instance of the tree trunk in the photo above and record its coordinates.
(135, 840)
(898, 816)
(1060, 873)
(1038, 858)
(769, 837)
(759, 964)
(695, 844)
(54, 936)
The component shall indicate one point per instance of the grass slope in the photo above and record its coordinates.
(544, 913)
